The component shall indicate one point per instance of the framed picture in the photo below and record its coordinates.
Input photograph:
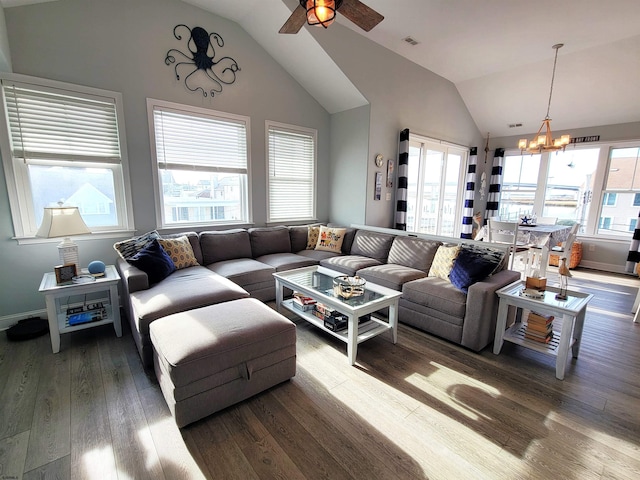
(65, 273)
(390, 173)
(378, 192)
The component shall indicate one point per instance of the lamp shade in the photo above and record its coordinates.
(62, 222)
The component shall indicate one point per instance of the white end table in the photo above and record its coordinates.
(568, 322)
(58, 299)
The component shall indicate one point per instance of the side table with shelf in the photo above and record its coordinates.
(568, 315)
(59, 298)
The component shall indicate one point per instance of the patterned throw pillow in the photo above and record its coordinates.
(330, 239)
(128, 248)
(180, 251)
(312, 236)
(443, 261)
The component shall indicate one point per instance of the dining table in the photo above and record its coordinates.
(538, 234)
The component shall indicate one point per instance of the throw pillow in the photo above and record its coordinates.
(474, 264)
(312, 236)
(153, 261)
(180, 251)
(443, 261)
(330, 239)
(128, 248)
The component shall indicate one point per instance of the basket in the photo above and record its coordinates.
(574, 259)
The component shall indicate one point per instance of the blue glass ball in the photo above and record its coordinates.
(96, 267)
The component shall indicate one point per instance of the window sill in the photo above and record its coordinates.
(93, 236)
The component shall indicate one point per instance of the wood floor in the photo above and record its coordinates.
(423, 408)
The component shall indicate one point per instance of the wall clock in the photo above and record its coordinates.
(379, 160)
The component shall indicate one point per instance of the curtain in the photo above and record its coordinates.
(403, 181)
(634, 250)
(470, 189)
(493, 200)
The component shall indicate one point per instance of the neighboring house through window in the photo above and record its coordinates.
(64, 143)
(201, 164)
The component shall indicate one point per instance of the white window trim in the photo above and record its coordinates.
(191, 110)
(19, 203)
(296, 129)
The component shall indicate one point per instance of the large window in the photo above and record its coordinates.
(434, 193)
(63, 143)
(596, 186)
(291, 153)
(202, 164)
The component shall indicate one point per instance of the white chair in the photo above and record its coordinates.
(567, 245)
(538, 258)
(507, 232)
(546, 220)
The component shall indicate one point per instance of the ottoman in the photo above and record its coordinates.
(209, 358)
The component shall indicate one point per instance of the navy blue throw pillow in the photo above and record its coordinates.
(154, 261)
(474, 264)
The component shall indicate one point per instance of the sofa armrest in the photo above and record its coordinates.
(479, 326)
(133, 278)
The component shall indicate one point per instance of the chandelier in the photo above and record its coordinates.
(322, 12)
(543, 141)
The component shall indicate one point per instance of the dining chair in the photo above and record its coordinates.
(567, 245)
(507, 233)
(546, 220)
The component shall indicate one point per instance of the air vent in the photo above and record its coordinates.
(515, 125)
(411, 41)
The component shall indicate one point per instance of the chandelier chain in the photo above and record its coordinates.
(557, 47)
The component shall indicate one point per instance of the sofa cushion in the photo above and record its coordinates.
(185, 289)
(265, 241)
(349, 264)
(437, 294)
(372, 244)
(473, 264)
(298, 237)
(128, 248)
(224, 245)
(413, 252)
(244, 271)
(286, 261)
(330, 239)
(390, 275)
(443, 261)
(153, 261)
(180, 251)
(317, 255)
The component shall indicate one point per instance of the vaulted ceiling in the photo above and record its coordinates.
(498, 53)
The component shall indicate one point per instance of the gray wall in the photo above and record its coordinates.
(120, 45)
(598, 253)
(5, 53)
(402, 95)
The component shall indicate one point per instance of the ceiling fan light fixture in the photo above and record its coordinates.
(321, 13)
(543, 141)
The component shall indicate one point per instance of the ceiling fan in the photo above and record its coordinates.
(323, 12)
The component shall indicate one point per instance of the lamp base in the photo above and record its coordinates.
(68, 252)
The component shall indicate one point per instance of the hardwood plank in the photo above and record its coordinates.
(133, 447)
(50, 437)
(13, 451)
(92, 453)
(59, 469)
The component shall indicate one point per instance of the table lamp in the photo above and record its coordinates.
(64, 222)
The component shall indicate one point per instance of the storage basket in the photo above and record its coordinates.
(574, 259)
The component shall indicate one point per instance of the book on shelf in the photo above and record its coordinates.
(539, 328)
(303, 299)
(539, 318)
(541, 338)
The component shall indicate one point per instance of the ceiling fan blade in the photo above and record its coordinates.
(295, 22)
(364, 17)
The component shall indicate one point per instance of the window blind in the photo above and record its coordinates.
(208, 143)
(291, 174)
(49, 124)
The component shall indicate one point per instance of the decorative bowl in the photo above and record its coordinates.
(347, 287)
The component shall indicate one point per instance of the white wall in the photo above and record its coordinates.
(5, 54)
(120, 45)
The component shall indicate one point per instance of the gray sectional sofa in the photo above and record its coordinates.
(239, 263)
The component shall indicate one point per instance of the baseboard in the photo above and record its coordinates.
(7, 321)
(605, 267)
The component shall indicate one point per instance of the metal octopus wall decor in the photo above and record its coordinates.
(202, 60)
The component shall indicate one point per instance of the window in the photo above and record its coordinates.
(291, 153)
(64, 143)
(202, 164)
(596, 186)
(434, 201)
(632, 224)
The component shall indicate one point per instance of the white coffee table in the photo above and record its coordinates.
(316, 282)
(568, 322)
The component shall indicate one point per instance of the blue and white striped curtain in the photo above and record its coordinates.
(469, 193)
(633, 258)
(493, 199)
(403, 180)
